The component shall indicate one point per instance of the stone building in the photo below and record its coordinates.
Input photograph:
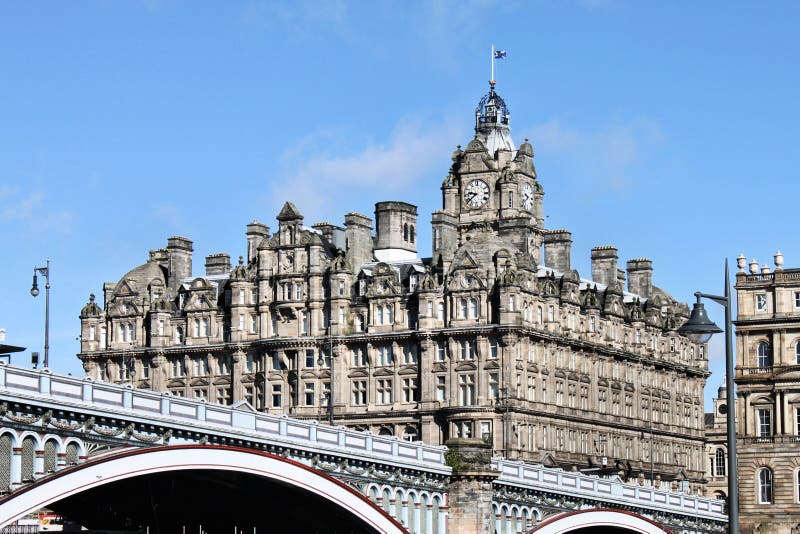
(716, 426)
(494, 335)
(768, 397)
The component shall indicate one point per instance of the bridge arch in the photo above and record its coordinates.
(598, 520)
(128, 465)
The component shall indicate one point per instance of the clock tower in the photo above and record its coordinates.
(491, 191)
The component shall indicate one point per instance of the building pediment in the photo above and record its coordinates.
(439, 367)
(358, 373)
(199, 382)
(466, 366)
(408, 370)
(384, 371)
(222, 381)
(176, 383)
(491, 364)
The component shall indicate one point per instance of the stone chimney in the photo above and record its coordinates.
(558, 250)
(358, 239)
(256, 232)
(179, 251)
(604, 265)
(640, 277)
(218, 264)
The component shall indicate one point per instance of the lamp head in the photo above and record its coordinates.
(35, 286)
(699, 328)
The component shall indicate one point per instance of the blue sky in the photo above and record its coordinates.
(666, 129)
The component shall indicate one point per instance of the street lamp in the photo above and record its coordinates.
(699, 328)
(44, 271)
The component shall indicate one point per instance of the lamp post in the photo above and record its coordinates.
(44, 271)
(699, 328)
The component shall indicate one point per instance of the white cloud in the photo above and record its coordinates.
(31, 211)
(325, 184)
(300, 19)
(605, 157)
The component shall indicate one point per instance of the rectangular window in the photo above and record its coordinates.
(761, 302)
(441, 350)
(253, 324)
(248, 395)
(298, 294)
(223, 365)
(384, 390)
(241, 322)
(494, 386)
(797, 299)
(200, 394)
(309, 394)
(764, 422)
(430, 308)
(277, 400)
(410, 390)
(241, 296)
(493, 349)
(410, 355)
(341, 287)
(359, 392)
(160, 328)
(797, 420)
(466, 388)
(341, 314)
(440, 313)
(310, 358)
(441, 388)
(224, 396)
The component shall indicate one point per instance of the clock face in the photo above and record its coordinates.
(527, 196)
(476, 194)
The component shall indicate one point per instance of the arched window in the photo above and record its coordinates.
(765, 486)
(764, 355)
(405, 232)
(797, 483)
(464, 309)
(411, 233)
(473, 308)
(719, 463)
(380, 314)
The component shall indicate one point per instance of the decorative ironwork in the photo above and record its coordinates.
(492, 98)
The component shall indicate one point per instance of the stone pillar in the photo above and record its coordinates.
(470, 490)
(238, 360)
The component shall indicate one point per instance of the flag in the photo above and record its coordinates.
(499, 54)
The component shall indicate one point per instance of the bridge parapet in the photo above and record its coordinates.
(542, 491)
(146, 408)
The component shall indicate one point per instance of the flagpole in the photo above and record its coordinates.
(492, 79)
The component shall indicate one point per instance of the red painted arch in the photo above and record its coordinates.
(135, 462)
(597, 517)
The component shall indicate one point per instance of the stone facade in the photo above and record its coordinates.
(716, 447)
(768, 397)
(493, 336)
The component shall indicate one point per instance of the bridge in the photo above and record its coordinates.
(115, 457)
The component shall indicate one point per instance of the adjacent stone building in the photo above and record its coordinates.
(768, 397)
(494, 335)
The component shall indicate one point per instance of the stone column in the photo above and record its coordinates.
(470, 490)
(238, 359)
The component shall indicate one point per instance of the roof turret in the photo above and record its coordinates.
(492, 122)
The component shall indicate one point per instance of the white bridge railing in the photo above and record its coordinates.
(576, 484)
(238, 422)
